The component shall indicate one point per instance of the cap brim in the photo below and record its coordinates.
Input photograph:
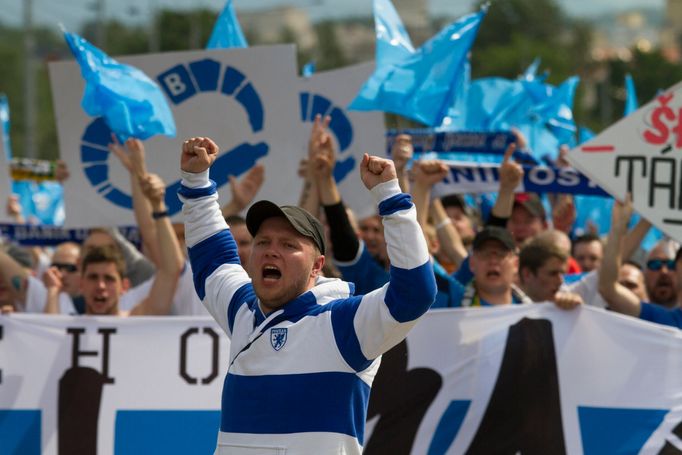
(261, 211)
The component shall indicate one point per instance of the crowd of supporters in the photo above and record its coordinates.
(520, 253)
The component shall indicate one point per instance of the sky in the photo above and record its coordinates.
(72, 13)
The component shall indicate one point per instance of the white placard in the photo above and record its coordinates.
(640, 154)
(241, 98)
(355, 132)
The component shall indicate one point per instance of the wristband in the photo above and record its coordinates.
(443, 223)
(158, 215)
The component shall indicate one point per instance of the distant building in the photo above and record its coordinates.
(618, 35)
(356, 39)
(273, 24)
(415, 17)
(671, 35)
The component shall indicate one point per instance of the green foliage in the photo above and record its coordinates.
(513, 33)
(329, 52)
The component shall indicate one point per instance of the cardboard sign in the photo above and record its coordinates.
(250, 101)
(642, 155)
(355, 132)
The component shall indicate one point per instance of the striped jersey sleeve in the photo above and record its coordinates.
(379, 320)
(219, 279)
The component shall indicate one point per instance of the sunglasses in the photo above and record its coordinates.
(65, 267)
(657, 264)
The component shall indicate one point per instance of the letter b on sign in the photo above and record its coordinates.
(177, 84)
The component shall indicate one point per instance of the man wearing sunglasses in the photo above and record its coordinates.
(618, 296)
(28, 294)
(62, 278)
(659, 274)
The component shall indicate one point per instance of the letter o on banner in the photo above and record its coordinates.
(541, 175)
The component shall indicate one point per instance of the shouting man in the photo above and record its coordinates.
(304, 350)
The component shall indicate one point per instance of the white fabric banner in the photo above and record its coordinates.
(527, 378)
(250, 101)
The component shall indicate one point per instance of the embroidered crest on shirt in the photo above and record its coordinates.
(278, 338)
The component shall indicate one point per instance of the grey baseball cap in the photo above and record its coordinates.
(300, 219)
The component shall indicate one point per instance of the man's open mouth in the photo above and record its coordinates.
(270, 272)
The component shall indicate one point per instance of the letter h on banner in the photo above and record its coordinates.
(76, 353)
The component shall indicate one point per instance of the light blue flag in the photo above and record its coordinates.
(631, 103)
(558, 112)
(424, 85)
(308, 69)
(585, 134)
(41, 201)
(455, 120)
(227, 33)
(131, 104)
(393, 44)
(531, 72)
(4, 124)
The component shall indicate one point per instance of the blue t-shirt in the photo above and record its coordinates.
(660, 315)
(450, 291)
(367, 273)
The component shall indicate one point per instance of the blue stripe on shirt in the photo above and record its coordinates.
(394, 204)
(295, 403)
(196, 193)
(209, 254)
(343, 314)
(411, 292)
(245, 295)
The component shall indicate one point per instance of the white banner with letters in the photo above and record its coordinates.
(639, 155)
(250, 101)
(526, 378)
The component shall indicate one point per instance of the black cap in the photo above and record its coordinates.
(300, 219)
(494, 233)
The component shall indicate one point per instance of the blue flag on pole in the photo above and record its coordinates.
(4, 124)
(131, 104)
(308, 69)
(631, 103)
(421, 84)
(227, 33)
(393, 44)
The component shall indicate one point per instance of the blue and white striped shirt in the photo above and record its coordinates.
(302, 386)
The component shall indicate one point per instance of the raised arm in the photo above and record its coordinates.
(402, 152)
(383, 317)
(635, 236)
(52, 278)
(132, 157)
(160, 297)
(244, 190)
(322, 157)
(511, 174)
(450, 241)
(427, 173)
(14, 276)
(219, 279)
(618, 297)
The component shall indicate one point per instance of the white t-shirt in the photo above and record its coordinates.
(588, 288)
(185, 301)
(36, 298)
